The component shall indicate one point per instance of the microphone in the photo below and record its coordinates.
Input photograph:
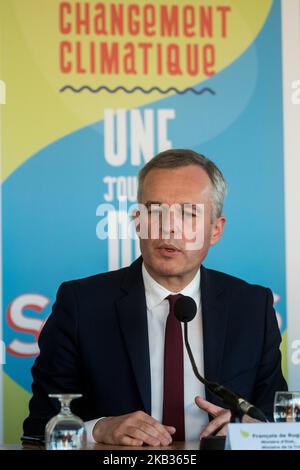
(185, 309)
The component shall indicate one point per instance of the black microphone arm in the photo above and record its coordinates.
(238, 405)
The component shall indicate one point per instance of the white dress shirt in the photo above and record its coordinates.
(157, 313)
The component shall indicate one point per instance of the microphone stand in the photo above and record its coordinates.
(228, 397)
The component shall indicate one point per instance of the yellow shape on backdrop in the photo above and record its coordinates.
(15, 409)
(37, 114)
(284, 357)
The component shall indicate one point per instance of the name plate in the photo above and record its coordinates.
(263, 436)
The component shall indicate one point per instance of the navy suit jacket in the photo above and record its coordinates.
(96, 342)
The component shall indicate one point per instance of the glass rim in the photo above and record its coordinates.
(65, 395)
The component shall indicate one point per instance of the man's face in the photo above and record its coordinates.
(189, 187)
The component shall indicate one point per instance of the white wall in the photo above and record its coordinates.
(291, 74)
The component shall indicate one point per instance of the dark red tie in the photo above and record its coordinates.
(173, 405)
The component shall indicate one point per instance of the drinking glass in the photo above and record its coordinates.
(65, 431)
(287, 407)
(296, 401)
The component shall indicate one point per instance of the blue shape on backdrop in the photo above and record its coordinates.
(49, 203)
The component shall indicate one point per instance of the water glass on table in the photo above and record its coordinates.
(286, 407)
(65, 431)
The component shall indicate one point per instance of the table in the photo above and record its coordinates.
(105, 447)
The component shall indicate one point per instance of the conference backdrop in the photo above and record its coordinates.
(93, 91)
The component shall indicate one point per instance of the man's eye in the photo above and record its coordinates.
(189, 214)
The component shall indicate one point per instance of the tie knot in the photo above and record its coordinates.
(172, 299)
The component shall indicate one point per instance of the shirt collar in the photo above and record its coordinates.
(156, 293)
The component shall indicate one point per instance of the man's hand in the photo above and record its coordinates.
(133, 429)
(218, 426)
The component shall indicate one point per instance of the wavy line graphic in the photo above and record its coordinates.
(137, 88)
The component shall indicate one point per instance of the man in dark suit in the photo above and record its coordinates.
(114, 338)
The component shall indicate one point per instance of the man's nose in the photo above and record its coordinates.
(171, 224)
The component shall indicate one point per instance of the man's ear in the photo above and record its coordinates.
(217, 230)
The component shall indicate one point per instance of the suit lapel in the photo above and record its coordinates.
(132, 315)
(215, 319)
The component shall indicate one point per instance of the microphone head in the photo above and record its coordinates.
(185, 309)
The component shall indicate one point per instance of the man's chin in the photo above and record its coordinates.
(168, 268)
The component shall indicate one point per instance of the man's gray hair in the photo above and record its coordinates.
(176, 158)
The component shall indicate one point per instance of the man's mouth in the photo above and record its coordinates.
(168, 249)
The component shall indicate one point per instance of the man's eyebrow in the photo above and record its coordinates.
(149, 203)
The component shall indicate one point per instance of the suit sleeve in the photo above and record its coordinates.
(269, 377)
(56, 368)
